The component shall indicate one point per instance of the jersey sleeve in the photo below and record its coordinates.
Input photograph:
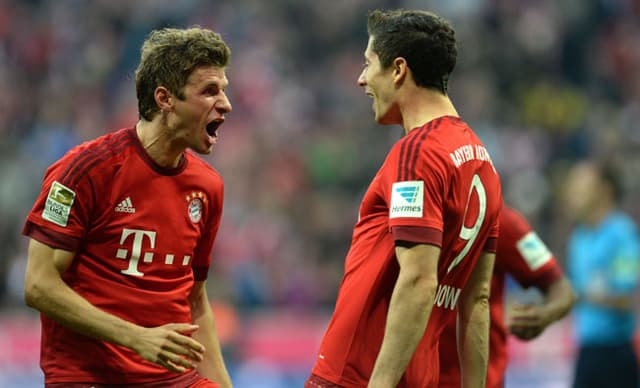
(202, 254)
(60, 215)
(523, 254)
(416, 199)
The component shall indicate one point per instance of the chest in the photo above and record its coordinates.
(374, 202)
(148, 220)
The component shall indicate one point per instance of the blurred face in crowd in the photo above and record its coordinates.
(194, 119)
(584, 191)
(378, 84)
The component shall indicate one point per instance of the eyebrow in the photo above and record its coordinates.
(221, 84)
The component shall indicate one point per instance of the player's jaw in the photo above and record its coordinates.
(205, 135)
(383, 111)
(375, 104)
(202, 133)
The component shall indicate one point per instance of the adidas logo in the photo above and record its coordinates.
(126, 206)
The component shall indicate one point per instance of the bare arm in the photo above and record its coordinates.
(528, 321)
(212, 367)
(473, 323)
(409, 312)
(624, 302)
(46, 291)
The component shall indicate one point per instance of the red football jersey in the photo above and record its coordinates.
(522, 255)
(437, 186)
(142, 234)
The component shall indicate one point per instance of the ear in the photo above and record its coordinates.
(400, 70)
(164, 99)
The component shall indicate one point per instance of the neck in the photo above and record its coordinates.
(421, 105)
(156, 140)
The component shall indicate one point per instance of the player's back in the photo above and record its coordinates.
(471, 202)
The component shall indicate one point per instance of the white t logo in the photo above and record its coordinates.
(138, 237)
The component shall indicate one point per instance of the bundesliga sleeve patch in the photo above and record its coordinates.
(58, 205)
(407, 199)
(533, 250)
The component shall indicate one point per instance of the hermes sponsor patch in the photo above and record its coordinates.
(407, 199)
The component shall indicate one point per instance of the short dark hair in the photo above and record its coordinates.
(169, 56)
(425, 40)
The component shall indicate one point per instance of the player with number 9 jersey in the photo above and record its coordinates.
(437, 186)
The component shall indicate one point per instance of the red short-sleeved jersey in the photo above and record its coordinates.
(433, 179)
(142, 234)
(522, 255)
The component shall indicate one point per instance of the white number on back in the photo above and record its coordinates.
(470, 234)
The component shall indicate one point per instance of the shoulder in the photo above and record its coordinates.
(623, 224)
(85, 159)
(204, 173)
(511, 218)
(448, 137)
(622, 220)
(197, 163)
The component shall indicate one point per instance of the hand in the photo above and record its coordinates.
(526, 322)
(168, 346)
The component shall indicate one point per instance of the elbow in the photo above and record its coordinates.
(426, 285)
(480, 296)
(30, 296)
(573, 298)
(568, 295)
(33, 293)
(474, 303)
(422, 285)
(481, 300)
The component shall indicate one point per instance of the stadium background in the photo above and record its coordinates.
(543, 82)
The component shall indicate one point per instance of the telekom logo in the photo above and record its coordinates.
(136, 251)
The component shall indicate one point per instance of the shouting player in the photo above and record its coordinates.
(122, 233)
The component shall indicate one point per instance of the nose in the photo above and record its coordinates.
(224, 105)
(361, 80)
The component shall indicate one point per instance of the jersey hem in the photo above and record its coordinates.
(50, 237)
(417, 234)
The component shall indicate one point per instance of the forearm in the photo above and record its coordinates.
(473, 324)
(212, 366)
(409, 311)
(559, 299)
(618, 302)
(473, 343)
(54, 298)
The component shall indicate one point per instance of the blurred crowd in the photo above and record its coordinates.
(544, 83)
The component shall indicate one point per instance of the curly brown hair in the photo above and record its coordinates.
(425, 40)
(169, 56)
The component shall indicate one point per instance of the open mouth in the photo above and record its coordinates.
(212, 127)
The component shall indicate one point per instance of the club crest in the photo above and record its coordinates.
(196, 201)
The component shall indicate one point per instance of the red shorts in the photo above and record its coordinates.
(187, 380)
